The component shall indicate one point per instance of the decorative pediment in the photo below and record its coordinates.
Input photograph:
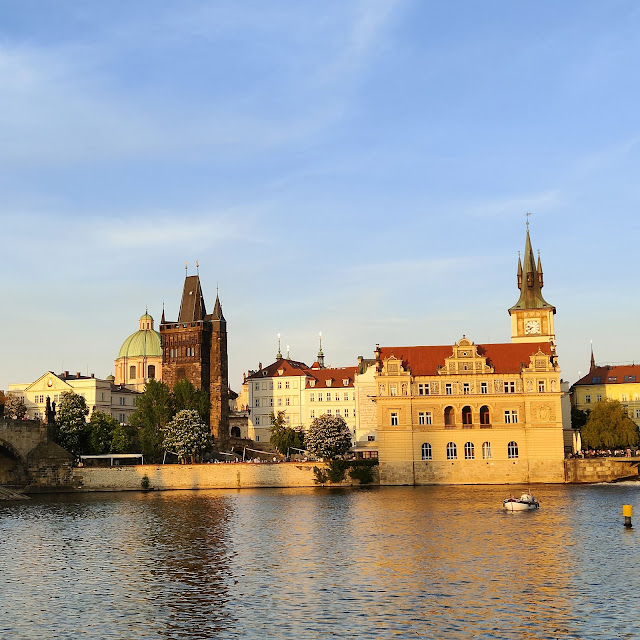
(540, 362)
(49, 382)
(392, 366)
(464, 359)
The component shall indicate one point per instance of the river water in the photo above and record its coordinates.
(406, 562)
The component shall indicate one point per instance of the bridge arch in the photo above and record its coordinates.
(13, 467)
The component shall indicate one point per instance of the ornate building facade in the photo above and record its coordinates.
(195, 348)
(140, 357)
(476, 413)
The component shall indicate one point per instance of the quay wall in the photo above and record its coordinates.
(198, 476)
(589, 470)
(296, 474)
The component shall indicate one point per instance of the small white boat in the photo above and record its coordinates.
(526, 502)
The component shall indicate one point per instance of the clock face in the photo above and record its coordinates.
(532, 327)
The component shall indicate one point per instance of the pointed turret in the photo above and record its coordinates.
(192, 307)
(593, 360)
(217, 310)
(530, 281)
(279, 354)
(320, 354)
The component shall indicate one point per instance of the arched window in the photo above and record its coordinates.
(151, 371)
(469, 451)
(452, 451)
(132, 372)
(449, 417)
(512, 449)
(426, 451)
(235, 432)
(486, 450)
(484, 415)
(466, 416)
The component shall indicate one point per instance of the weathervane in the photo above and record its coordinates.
(186, 266)
(527, 214)
(197, 267)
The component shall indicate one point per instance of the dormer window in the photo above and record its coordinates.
(280, 372)
(329, 382)
(345, 382)
(312, 383)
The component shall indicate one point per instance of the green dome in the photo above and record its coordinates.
(141, 343)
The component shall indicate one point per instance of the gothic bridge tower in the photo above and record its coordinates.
(195, 348)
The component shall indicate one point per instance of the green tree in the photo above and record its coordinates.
(187, 436)
(15, 407)
(328, 437)
(154, 409)
(578, 418)
(122, 439)
(609, 426)
(283, 437)
(186, 396)
(102, 427)
(71, 421)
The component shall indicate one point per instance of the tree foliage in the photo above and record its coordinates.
(283, 437)
(102, 429)
(154, 410)
(71, 421)
(187, 436)
(186, 396)
(578, 418)
(15, 407)
(328, 437)
(609, 426)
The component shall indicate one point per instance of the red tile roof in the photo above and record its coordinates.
(289, 367)
(503, 357)
(337, 375)
(618, 372)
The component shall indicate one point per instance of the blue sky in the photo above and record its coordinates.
(360, 168)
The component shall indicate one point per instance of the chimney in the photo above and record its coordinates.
(66, 374)
(93, 375)
(77, 374)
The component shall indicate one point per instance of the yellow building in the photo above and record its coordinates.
(140, 357)
(468, 413)
(620, 383)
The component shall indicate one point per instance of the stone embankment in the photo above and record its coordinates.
(589, 470)
(197, 476)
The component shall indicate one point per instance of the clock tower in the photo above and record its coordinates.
(532, 315)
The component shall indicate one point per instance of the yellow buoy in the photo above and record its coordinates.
(627, 512)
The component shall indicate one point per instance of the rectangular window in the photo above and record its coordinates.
(510, 387)
(466, 389)
(271, 402)
(637, 413)
(312, 397)
(598, 397)
(629, 378)
(448, 388)
(421, 418)
(541, 386)
(346, 413)
(312, 413)
(320, 396)
(423, 389)
(394, 419)
(595, 380)
(393, 390)
(337, 412)
(279, 384)
(257, 402)
(371, 438)
(271, 384)
(623, 398)
(346, 396)
(279, 402)
(286, 384)
(612, 379)
(483, 387)
(287, 401)
(587, 399)
(257, 421)
(511, 417)
(328, 412)
(122, 417)
(257, 386)
(424, 417)
(328, 396)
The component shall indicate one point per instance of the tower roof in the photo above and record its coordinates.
(192, 306)
(530, 281)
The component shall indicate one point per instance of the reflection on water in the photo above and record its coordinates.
(311, 563)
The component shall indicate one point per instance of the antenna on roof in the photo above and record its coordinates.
(186, 266)
(197, 267)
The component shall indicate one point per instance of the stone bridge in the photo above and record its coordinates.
(29, 459)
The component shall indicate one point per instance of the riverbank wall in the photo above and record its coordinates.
(290, 474)
(197, 476)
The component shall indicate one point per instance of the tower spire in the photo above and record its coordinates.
(279, 354)
(593, 360)
(320, 354)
